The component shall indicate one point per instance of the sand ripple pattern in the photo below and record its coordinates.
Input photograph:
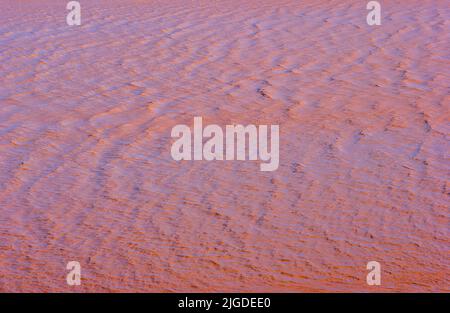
(85, 166)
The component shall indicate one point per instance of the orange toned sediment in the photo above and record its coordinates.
(86, 172)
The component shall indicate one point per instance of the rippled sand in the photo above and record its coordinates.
(86, 172)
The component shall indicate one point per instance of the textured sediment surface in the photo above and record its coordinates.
(86, 172)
